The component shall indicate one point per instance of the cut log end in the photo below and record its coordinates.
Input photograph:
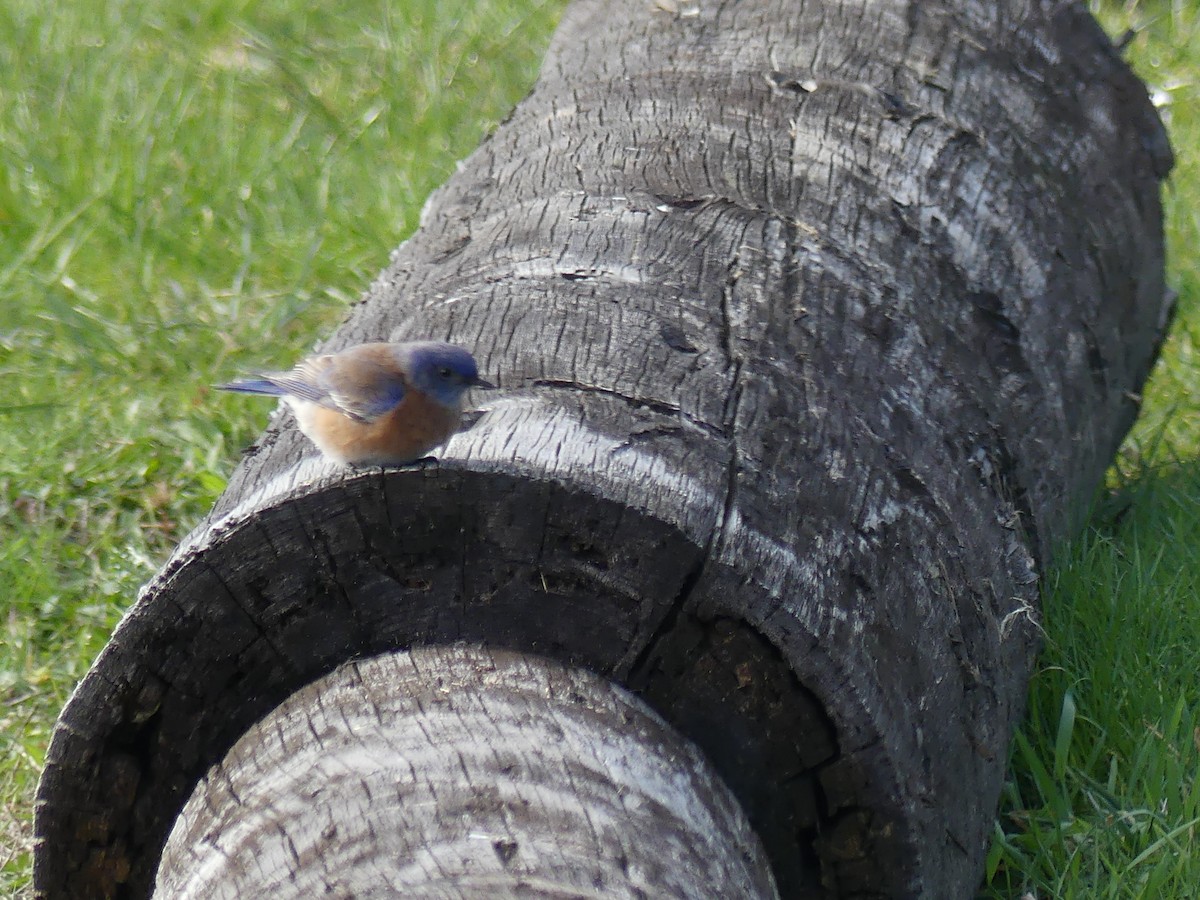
(425, 556)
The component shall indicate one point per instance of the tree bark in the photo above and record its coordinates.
(488, 774)
(818, 324)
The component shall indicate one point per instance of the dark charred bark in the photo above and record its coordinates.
(818, 324)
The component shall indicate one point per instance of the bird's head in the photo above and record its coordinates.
(443, 371)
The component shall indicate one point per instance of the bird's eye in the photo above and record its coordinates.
(445, 372)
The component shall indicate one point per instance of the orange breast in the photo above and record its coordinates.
(407, 433)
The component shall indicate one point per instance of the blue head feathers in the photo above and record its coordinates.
(444, 371)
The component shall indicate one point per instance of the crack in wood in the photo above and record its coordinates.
(661, 407)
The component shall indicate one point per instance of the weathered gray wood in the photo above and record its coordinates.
(817, 323)
(460, 772)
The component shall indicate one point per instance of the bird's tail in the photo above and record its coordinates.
(253, 386)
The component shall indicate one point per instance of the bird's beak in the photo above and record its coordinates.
(480, 383)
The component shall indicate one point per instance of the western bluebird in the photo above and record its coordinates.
(375, 404)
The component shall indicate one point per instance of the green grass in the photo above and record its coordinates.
(191, 189)
(1103, 798)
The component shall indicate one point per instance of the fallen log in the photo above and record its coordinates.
(817, 325)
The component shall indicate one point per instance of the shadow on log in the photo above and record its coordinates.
(818, 325)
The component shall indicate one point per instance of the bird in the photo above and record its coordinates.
(375, 404)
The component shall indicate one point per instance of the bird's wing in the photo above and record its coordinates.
(362, 382)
